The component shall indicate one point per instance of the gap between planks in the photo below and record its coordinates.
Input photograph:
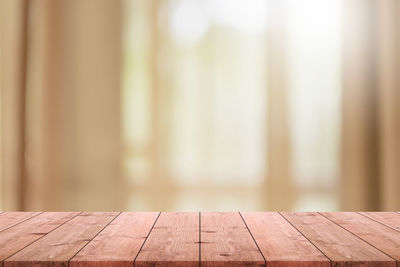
(173, 240)
(374, 241)
(255, 242)
(59, 245)
(350, 250)
(18, 249)
(147, 256)
(151, 229)
(15, 221)
(69, 261)
(382, 218)
(330, 260)
(249, 228)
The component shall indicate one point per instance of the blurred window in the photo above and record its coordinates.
(195, 72)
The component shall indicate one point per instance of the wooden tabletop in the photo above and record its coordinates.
(199, 239)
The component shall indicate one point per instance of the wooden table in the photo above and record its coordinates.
(194, 239)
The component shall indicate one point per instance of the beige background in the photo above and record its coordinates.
(61, 141)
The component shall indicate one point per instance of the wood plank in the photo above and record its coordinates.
(280, 243)
(340, 246)
(60, 245)
(9, 219)
(25, 233)
(173, 241)
(226, 241)
(119, 243)
(380, 236)
(391, 219)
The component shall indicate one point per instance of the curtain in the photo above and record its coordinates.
(280, 171)
(371, 102)
(60, 109)
(12, 79)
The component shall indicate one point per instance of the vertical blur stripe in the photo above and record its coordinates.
(388, 62)
(279, 177)
(359, 150)
(370, 112)
(14, 16)
(73, 131)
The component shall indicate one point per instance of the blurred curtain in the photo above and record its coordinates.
(60, 108)
(13, 23)
(371, 105)
(279, 149)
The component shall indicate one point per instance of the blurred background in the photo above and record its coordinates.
(200, 105)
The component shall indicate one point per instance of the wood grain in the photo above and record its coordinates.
(391, 219)
(340, 246)
(9, 219)
(226, 241)
(16, 238)
(380, 236)
(280, 243)
(173, 241)
(119, 243)
(188, 239)
(60, 245)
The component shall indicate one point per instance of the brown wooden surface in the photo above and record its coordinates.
(280, 243)
(194, 239)
(173, 241)
(60, 245)
(226, 241)
(8, 219)
(391, 219)
(340, 246)
(119, 243)
(378, 235)
(16, 238)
